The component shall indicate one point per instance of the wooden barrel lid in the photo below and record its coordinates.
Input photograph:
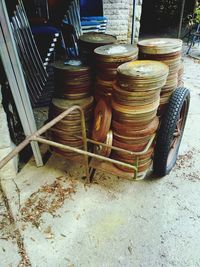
(64, 104)
(97, 38)
(128, 130)
(116, 52)
(143, 70)
(160, 45)
(124, 155)
(136, 110)
(71, 66)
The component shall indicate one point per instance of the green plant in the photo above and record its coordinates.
(195, 17)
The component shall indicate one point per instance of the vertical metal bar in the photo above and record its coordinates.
(16, 80)
(181, 18)
(84, 136)
(136, 165)
(133, 22)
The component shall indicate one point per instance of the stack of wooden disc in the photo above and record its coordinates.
(136, 97)
(90, 41)
(180, 75)
(108, 59)
(73, 79)
(68, 130)
(168, 51)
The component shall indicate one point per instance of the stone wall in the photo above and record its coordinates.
(120, 14)
(6, 145)
(138, 13)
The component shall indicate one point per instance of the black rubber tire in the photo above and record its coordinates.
(162, 163)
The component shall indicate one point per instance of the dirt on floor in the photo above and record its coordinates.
(53, 219)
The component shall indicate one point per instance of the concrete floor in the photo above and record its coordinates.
(113, 222)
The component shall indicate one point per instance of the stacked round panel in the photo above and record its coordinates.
(68, 130)
(168, 51)
(73, 79)
(135, 100)
(180, 75)
(108, 59)
(90, 41)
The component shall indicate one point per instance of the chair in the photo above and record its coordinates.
(94, 24)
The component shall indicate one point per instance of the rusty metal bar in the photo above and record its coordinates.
(21, 146)
(117, 148)
(14, 152)
(123, 150)
(84, 136)
(36, 137)
(79, 151)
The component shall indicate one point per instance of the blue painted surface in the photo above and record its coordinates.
(91, 7)
(94, 18)
(44, 30)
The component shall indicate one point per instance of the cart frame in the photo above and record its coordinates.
(89, 170)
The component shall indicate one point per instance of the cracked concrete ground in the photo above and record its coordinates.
(8, 245)
(113, 222)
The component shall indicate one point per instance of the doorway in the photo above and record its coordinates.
(162, 17)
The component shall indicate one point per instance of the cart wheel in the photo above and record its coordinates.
(171, 132)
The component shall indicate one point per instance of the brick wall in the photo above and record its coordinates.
(119, 14)
(138, 13)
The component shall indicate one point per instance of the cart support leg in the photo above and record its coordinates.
(84, 136)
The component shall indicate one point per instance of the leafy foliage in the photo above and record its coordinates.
(194, 18)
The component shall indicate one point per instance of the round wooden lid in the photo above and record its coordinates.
(143, 69)
(97, 38)
(65, 103)
(72, 65)
(160, 45)
(116, 52)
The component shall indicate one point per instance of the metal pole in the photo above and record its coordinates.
(42, 130)
(113, 147)
(82, 152)
(133, 22)
(84, 136)
(16, 79)
(181, 18)
(36, 137)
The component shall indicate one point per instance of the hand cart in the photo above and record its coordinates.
(168, 141)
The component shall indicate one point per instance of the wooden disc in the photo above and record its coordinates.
(126, 156)
(141, 168)
(63, 104)
(160, 45)
(132, 140)
(132, 98)
(67, 154)
(138, 121)
(71, 67)
(135, 148)
(102, 121)
(97, 39)
(127, 130)
(143, 70)
(134, 110)
(102, 150)
(116, 53)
